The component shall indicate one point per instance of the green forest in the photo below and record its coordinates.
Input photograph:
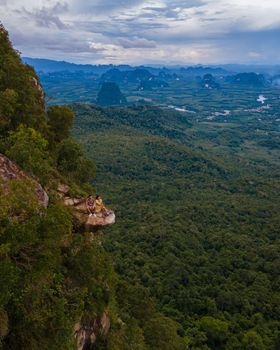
(193, 259)
(198, 219)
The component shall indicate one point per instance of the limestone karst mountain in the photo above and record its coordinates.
(249, 79)
(110, 94)
(209, 82)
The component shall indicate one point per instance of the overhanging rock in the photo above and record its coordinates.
(80, 213)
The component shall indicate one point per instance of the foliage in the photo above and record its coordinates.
(71, 162)
(59, 121)
(197, 224)
(28, 148)
(252, 341)
(21, 98)
(161, 333)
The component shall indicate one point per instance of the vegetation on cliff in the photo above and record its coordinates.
(51, 276)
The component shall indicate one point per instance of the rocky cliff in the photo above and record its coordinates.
(89, 329)
(10, 171)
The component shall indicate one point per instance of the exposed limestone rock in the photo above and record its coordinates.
(89, 329)
(38, 87)
(4, 323)
(63, 189)
(80, 213)
(9, 170)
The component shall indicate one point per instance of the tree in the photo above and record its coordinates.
(60, 120)
(28, 148)
(252, 341)
(8, 105)
(21, 95)
(161, 333)
(71, 163)
(216, 330)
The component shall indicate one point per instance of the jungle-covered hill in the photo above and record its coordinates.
(198, 220)
(54, 277)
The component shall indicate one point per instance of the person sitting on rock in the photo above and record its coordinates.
(91, 205)
(99, 206)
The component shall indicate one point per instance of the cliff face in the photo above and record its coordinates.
(11, 171)
(48, 271)
(89, 329)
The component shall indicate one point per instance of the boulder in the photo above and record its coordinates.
(9, 170)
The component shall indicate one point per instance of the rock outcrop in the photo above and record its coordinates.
(89, 329)
(9, 171)
(80, 213)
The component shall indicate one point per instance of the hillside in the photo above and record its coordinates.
(198, 220)
(59, 289)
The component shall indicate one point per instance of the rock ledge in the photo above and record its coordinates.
(79, 211)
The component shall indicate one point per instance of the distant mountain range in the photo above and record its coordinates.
(66, 82)
(120, 72)
(50, 66)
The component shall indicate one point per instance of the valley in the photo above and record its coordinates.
(197, 215)
(193, 176)
(139, 175)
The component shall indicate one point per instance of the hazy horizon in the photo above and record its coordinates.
(137, 32)
(159, 65)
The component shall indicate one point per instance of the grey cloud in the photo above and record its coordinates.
(51, 42)
(172, 5)
(134, 24)
(115, 28)
(211, 19)
(161, 12)
(71, 47)
(136, 43)
(170, 10)
(47, 16)
(185, 3)
(200, 13)
(105, 6)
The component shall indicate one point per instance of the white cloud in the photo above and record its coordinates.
(185, 31)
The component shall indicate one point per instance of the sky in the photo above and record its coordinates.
(137, 32)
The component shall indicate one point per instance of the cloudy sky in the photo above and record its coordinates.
(138, 31)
